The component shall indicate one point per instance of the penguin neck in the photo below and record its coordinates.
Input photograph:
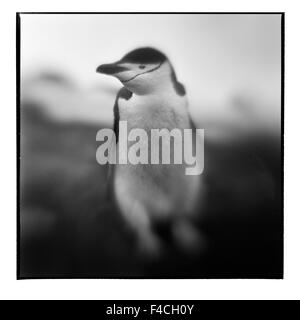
(154, 108)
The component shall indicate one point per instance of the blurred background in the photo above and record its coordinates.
(231, 68)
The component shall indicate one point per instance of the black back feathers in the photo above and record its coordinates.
(123, 94)
(179, 87)
(144, 55)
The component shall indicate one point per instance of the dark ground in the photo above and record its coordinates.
(68, 228)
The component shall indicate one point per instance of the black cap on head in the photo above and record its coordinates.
(144, 55)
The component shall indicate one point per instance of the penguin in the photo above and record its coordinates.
(158, 201)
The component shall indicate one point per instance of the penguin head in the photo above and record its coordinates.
(141, 71)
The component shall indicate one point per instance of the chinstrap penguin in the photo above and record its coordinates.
(157, 200)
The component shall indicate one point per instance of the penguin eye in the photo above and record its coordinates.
(142, 66)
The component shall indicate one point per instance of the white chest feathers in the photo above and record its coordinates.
(150, 193)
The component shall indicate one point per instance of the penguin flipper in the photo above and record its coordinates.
(123, 94)
(110, 179)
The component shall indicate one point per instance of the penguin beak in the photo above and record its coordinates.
(111, 68)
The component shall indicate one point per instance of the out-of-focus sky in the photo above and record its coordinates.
(219, 58)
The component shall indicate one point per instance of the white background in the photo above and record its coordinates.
(219, 58)
(10, 288)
